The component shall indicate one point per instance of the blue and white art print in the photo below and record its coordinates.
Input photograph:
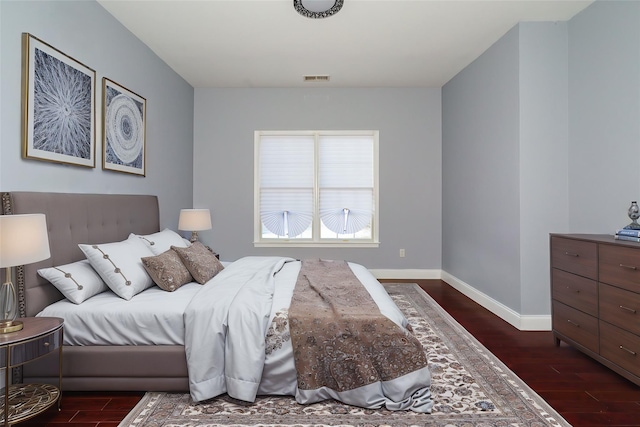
(124, 117)
(58, 106)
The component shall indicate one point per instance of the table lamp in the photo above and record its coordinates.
(194, 220)
(23, 240)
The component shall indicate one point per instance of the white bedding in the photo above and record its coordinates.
(225, 340)
(153, 317)
(157, 317)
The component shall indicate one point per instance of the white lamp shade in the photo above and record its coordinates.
(23, 239)
(194, 220)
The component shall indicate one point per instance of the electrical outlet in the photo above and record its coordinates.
(402, 253)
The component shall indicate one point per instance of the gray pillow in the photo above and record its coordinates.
(167, 270)
(200, 261)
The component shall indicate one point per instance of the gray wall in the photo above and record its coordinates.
(89, 34)
(409, 121)
(543, 155)
(481, 173)
(604, 115)
(538, 137)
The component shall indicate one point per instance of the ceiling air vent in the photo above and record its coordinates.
(316, 78)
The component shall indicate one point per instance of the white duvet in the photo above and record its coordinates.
(225, 328)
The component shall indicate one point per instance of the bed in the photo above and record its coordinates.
(128, 354)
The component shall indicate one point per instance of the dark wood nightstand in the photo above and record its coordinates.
(40, 337)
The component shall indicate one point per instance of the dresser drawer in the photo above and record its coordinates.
(620, 266)
(620, 308)
(576, 325)
(575, 256)
(575, 291)
(620, 347)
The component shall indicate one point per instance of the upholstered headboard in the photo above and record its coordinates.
(74, 218)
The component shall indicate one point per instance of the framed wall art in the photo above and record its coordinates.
(123, 126)
(58, 105)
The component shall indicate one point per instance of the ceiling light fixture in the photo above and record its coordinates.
(317, 9)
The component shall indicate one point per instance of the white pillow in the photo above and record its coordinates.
(77, 281)
(120, 266)
(162, 241)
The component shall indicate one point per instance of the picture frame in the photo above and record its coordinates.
(124, 117)
(58, 105)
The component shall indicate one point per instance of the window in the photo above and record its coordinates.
(316, 188)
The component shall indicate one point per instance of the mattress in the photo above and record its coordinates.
(153, 317)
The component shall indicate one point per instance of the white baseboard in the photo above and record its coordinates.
(540, 322)
(406, 274)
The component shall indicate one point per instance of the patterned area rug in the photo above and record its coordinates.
(470, 387)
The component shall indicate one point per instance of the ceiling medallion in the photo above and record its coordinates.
(317, 9)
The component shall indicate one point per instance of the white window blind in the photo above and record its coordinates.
(346, 185)
(286, 185)
(316, 187)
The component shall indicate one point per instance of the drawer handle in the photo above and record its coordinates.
(627, 350)
(622, 307)
(630, 267)
(571, 254)
(577, 325)
(577, 291)
(46, 344)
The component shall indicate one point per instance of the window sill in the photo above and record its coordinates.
(294, 244)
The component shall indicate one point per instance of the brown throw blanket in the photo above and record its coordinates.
(340, 339)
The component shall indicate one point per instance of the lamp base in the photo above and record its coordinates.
(633, 226)
(10, 326)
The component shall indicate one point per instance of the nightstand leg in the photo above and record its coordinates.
(60, 371)
(7, 374)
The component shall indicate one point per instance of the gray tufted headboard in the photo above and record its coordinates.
(74, 218)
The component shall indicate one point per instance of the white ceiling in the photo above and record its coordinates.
(369, 43)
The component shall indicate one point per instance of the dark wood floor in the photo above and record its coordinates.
(582, 390)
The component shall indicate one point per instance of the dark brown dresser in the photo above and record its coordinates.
(595, 291)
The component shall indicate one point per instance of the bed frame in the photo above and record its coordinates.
(92, 218)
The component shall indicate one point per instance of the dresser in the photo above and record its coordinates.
(595, 291)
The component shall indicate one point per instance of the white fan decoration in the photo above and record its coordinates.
(345, 220)
(286, 223)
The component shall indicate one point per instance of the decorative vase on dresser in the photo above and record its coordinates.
(595, 291)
